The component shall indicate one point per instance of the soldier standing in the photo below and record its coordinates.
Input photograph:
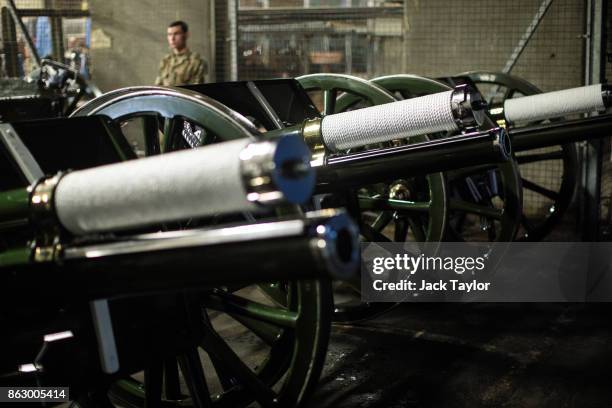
(181, 66)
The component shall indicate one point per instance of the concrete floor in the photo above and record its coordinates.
(458, 355)
(478, 355)
(462, 355)
(473, 355)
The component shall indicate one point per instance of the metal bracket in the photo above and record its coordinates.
(18, 150)
(265, 105)
(522, 44)
(47, 245)
(529, 31)
(100, 313)
(24, 31)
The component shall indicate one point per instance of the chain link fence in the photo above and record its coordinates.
(541, 41)
(606, 176)
(434, 38)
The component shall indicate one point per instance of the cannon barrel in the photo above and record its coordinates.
(436, 155)
(550, 134)
(439, 112)
(320, 244)
(223, 178)
(455, 110)
(557, 104)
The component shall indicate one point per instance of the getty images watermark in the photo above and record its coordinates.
(484, 272)
(410, 264)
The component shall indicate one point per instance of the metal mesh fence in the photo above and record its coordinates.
(541, 41)
(433, 38)
(293, 38)
(606, 175)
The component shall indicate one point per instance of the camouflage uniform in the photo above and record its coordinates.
(182, 69)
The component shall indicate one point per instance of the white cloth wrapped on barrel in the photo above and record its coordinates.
(383, 123)
(176, 186)
(556, 104)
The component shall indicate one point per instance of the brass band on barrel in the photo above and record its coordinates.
(311, 131)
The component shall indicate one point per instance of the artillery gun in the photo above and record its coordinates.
(554, 139)
(281, 107)
(110, 295)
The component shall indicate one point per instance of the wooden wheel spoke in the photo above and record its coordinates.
(537, 157)
(389, 204)
(153, 376)
(530, 185)
(401, 230)
(329, 101)
(218, 349)
(383, 219)
(227, 380)
(277, 291)
(417, 229)
(172, 129)
(509, 93)
(371, 234)
(151, 134)
(172, 386)
(473, 208)
(193, 375)
(238, 306)
(265, 331)
(468, 171)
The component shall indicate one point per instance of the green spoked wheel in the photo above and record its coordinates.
(248, 351)
(262, 345)
(153, 118)
(484, 201)
(332, 86)
(549, 175)
(406, 86)
(406, 208)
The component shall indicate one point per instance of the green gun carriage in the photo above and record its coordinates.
(93, 294)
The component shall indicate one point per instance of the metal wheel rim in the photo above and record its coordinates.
(357, 89)
(301, 350)
(569, 154)
(510, 216)
(170, 103)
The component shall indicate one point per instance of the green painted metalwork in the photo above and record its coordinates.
(299, 350)
(389, 204)
(15, 256)
(422, 219)
(416, 85)
(14, 204)
(169, 106)
(409, 86)
(403, 86)
(561, 197)
(14, 209)
(351, 90)
(236, 305)
(295, 327)
(473, 208)
(511, 83)
(334, 86)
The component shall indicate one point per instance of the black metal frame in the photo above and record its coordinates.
(593, 153)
